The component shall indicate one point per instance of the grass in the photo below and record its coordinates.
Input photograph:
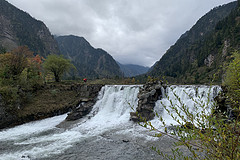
(53, 99)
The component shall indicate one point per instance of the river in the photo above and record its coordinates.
(106, 133)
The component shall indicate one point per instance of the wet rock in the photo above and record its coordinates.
(224, 105)
(147, 96)
(25, 157)
(221, 102)
(134, 117)
(125, 140)
(82, 110)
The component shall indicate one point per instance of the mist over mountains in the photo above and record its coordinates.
(131, 70)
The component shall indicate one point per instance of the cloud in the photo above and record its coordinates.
(136, 31)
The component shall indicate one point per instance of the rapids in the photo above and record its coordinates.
(106, 133)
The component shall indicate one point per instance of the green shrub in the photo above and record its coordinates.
(9, 95)
(232, 79)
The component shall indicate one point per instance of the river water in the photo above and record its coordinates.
(106, 133)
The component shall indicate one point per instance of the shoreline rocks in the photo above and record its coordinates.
(82, 110)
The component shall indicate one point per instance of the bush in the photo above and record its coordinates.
(9, 95)
(19, 75)
(232, 80)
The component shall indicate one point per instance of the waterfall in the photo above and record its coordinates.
(112, 109)
(109, 116)
(192, 96)
(43, 139)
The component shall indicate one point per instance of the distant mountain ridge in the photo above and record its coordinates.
(90, 62)
(131, 70)
(19, 28)
(199, 53)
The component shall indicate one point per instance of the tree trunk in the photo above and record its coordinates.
(57, 79)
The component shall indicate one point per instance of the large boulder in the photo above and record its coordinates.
(148, 95)
(82, 110)
(86, 104)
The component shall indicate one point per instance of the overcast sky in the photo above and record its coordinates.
(132, 31)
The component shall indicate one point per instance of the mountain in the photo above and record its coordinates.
(18, 28)
(131, 70)
(200, 52)
(90, 62)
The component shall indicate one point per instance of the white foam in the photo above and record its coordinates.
(191, 96)
(113, 109)
(27, 129)
(110, 113)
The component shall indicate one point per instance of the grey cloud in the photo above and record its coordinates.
(132, 31)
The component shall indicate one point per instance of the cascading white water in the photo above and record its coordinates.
(110, 114)
(197, 99)
(42, 138)
(111, 110)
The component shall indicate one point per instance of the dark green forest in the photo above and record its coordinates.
(201, 54)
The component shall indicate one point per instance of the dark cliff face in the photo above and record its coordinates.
(19, 28)
(90, 62)
(193, 57)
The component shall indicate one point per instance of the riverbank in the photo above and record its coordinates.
(49, 100)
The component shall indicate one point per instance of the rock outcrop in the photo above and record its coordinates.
(221, 101)
(148, 95)
(82, 110)
(225, 106)
(85, 105)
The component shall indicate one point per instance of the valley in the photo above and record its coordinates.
(63, 98)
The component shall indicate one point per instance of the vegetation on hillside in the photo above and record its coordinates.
(232, 80)
(90, 62)
(21, 74)
(57, 65)
(25, 30)
(202, 51)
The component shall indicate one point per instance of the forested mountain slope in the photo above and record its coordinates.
(90, 62)
(18, 28)
(202, 51)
